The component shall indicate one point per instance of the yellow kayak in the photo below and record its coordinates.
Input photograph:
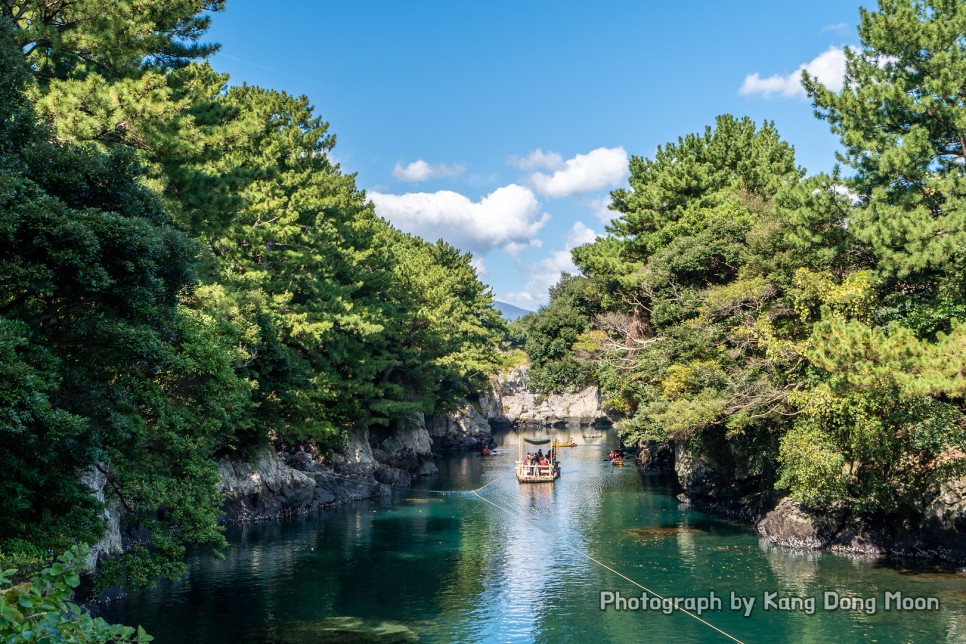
(565, 445)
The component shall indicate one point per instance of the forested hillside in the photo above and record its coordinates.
(813, 325)
(185, 273)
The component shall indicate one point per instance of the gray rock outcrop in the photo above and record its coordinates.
(719, 480)
(792, 526)
(405, 446)
(509, 402)
(939, 536)
(112, 543)
(720, 477)
(945, 520)
(653, 456)
(464, 428)
(266, 486)
(947, 512)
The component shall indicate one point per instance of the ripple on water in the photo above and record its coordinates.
(454, 568)
(663, 531)
(347, 630)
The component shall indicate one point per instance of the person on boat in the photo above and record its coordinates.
(571, 442)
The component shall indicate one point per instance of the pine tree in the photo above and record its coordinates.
(901, 118)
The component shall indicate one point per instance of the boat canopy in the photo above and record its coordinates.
(536, 441)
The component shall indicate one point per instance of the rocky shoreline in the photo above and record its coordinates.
(279, 480)
(721, 485)
(284, 480)
(509, 402)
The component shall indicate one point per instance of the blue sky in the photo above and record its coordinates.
(502, 126)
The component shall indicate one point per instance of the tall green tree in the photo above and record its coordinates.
(100, 70)
(123, 74)
(553, 333)
(443, 326)
(690, 264)
(306, 241)
(881, 422)
(901, 118)
(119, 376)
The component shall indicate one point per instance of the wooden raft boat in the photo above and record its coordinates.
(537, 473)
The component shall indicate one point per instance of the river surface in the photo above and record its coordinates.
(529, 563)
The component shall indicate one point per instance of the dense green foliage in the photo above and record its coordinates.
(812, 324)
(553, 336)
(104, 369)
(39, 609)
(185, 274)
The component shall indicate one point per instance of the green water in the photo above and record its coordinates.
(435, 567)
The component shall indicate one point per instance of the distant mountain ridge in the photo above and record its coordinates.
(509, 311)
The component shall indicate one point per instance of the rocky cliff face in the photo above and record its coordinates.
(405, 446)
(292, 480)
(278, 481)
(273, 484)
(653, 456)
(465, 428)
(720, 480)
(285, 480)
(789, 524)
(510, 403)
(112, 543)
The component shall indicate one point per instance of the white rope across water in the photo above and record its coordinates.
(589, 557)
(585, 555)
(416, 489)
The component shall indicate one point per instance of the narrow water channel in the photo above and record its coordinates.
(447, 567)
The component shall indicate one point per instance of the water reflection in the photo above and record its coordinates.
(795, 570)
(453, 568)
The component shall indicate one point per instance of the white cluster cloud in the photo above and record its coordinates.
(543, 275)
(579, 235)
(510, 217)
(854, 197)
(601, 210)
(510, 214)
(420, 170)
(828, 67)
(538, 159)
(600, 168)
(546, 272)
(480, 265)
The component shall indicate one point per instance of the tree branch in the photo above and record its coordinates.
(114, 486)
